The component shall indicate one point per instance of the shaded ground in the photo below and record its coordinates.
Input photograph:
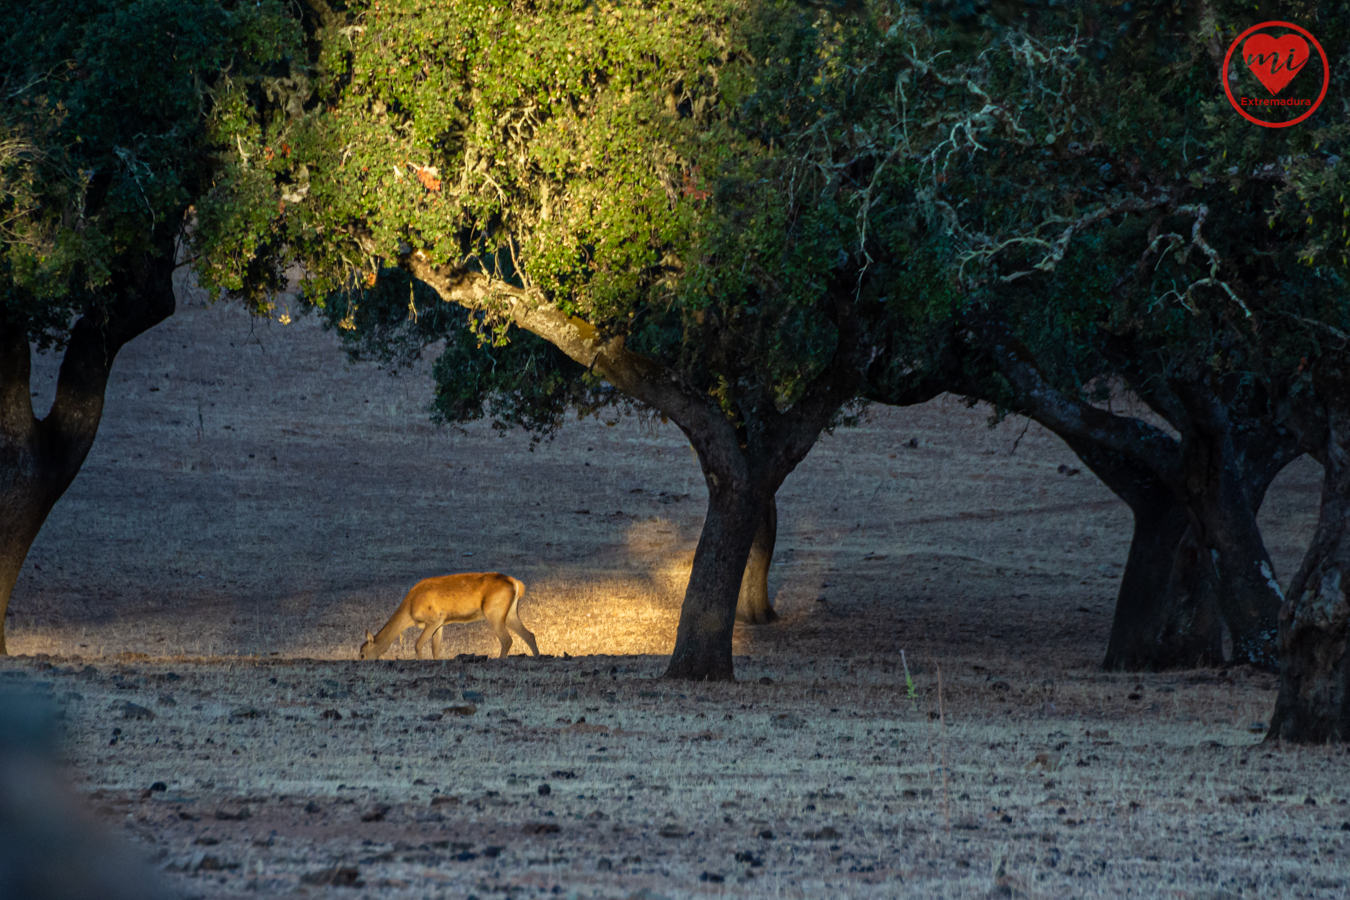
(254, 503)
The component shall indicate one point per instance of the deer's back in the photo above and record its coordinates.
(458, 596)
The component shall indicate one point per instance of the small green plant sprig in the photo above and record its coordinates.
(910, 690)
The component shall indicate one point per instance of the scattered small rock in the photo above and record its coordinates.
(338, 876)
(671, 830)
(825, 834)
(134, 711)
(238, 815)
(245, 712)
(766, 835)
(330, 714)
(377, 814)
(545, 790)
(712, 877)
(766, 680)
(467, 710)
(540, 828)
(215, 864)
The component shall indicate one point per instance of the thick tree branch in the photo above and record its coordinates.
(16, 402)
(138, 299)
(790, 435)
(1148, 446)
(633, 374)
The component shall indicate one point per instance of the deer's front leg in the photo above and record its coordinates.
(427, 634)
(436, 644)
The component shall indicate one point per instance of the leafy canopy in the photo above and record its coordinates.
(694, 177)
(103, 141)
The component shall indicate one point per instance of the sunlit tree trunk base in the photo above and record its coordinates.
(703, 641)
(23, 519)
(39, 458)
(752, 607)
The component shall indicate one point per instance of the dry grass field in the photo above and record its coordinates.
(254, 503)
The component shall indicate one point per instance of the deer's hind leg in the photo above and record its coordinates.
(504, 636)
(513, 622)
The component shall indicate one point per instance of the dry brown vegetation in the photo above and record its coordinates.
(254, 503)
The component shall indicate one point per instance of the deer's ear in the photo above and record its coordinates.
(370, 638)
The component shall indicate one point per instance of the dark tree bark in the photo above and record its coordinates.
(752, 606)
(39, 458)
(1313, 705)
(743, 465)
(1211, 471)
(703, 639)
(1165, 616)
(1218, 495)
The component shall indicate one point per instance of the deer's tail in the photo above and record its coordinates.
(520, 591)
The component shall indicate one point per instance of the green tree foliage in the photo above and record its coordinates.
(104, 135)
(103, 149)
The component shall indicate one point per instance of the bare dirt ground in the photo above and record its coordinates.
(254, 503)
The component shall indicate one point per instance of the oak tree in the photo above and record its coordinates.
(103, 148)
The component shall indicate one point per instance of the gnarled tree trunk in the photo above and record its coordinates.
(752, 607)
(1165, 616)
(39, 458)
(1221, 499)
(1313, 705)
(1217, 473)
(702, 649)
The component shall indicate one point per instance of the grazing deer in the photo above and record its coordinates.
(454, 598)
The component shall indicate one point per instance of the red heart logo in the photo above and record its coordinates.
(1275, 60)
